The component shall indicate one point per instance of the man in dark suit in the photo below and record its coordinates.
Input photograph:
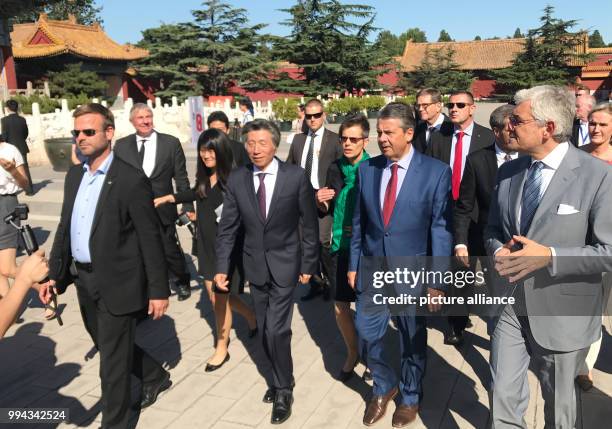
(108, 244)
(314, 152)
(580, 129)
(273, 202)
(15, 131)
(220, 121)
(452, 145)
(162, 159)
(401, 210)
(429, 108)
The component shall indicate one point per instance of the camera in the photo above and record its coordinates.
(183, 220)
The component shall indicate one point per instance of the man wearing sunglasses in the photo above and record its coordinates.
(162, 159)
(108, 243)
(315, 151)
(452, 145)
(429, 109)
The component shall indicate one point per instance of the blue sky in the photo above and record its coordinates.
(463, 19)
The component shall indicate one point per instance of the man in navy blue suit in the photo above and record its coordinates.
(401, 210)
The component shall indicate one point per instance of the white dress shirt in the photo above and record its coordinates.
(583, 134)
(436, 125)
(465, 146)
(270, 180)
(501, 156)
(403, 164)
(148, 163)
(8, 184)
(314, 174)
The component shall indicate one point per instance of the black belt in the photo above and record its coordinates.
(84, 266)
(8, 195)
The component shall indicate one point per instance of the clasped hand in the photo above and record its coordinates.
(517, 264)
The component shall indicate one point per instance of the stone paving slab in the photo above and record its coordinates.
(43, 364)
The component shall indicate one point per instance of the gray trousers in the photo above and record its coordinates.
(512, 349)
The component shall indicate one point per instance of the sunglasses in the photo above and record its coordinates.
(88, 132)
(459, 105)
(313, 115)
(353, 140)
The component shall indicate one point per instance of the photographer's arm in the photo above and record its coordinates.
(33, 270)
(18, 172)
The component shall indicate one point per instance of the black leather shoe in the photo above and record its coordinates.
(150, 391)
(269, 396)
(367, 375)
(454, 338)
(210, 367)
(183, 292)
(345, 376)
(281, 410)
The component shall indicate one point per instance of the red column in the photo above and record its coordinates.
(9, 67)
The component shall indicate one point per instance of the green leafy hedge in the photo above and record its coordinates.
(285, 109)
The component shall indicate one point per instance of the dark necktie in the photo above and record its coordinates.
(531, 195)
(389, 201)
(261, 195)
(507, 158)
(430, 130)
(456, 177)
(141, 152)
(309, 156)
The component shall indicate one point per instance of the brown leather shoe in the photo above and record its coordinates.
(404, 415)
(377, 407)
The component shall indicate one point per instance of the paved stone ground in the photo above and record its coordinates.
(43, 365)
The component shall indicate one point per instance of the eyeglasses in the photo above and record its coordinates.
(423, 106)
(353, 140)
(459, 105)
(313, 115)
(515, 121)
(88, 132)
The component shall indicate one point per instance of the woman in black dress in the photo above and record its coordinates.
(214, 164)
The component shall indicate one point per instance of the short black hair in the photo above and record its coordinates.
(12, 105)
(220, 116)
(401, 111)
(468, 93)
(357, 120)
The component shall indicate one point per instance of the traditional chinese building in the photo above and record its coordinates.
(483, 57)
(48, 45)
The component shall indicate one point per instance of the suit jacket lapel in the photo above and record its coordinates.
(132, 152)
(278, 187)
(410, 180)
(72, 189)
(558, 184)
(376, 183)
(514, 196)
(159, 154)
(106, 187)
(250, 187)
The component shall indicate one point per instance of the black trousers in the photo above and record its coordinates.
(174, 255)
(28, 189)
(274, 310)
(120, 357)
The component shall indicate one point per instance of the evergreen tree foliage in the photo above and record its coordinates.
(596, 41)
(444, 36)
(438, 70)
(75, 82)
(517, 34)
(394, 45)
(329, 41)
(85, 11)
(546, 58)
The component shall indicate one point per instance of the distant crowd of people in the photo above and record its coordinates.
(527, 201)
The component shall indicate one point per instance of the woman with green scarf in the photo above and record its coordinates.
(338, 197)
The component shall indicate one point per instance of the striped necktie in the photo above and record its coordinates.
(531, 196)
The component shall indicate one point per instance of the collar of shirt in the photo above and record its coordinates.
(501, 154)
(468, 131)
(149, 139)
(317, 133)
(438, 122)
(102, 169)
(554, 158)
(404, 162)
(272, 168)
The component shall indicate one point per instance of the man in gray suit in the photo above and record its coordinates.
(551, 233)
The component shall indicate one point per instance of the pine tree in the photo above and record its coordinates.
(548, 51)
(73, 82)
(518, 34)
(477, 38)
(85, 11)
(438, 70)
(329, 42)
(444, 36)
(596, 41)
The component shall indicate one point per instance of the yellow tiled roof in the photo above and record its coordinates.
(88, 41)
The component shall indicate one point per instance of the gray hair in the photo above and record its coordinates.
(400, 111)
(498, 116)
(436, 96)
(263, 124)
(606, 107)
(138, 107)
(550, 103)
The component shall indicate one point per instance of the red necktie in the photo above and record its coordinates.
(456, 179)
(389, 201)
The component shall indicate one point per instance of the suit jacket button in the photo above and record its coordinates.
(386, 234)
